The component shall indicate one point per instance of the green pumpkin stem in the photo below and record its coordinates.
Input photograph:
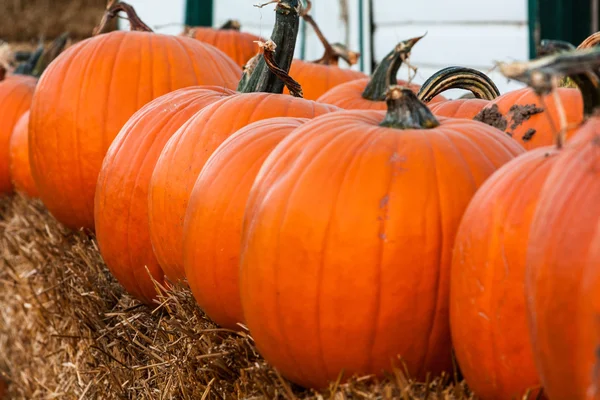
(550, 46)
(260, 78)
(385, 75)
(112, 11)
(406, 111)
(231, 25)
(478, 83)
(54, 50)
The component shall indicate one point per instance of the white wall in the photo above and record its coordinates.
(473, 33)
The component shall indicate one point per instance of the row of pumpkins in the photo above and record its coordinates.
(348, 225)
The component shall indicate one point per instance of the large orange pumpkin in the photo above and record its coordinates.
(215, 213)
(187, 151)
(487, 296)
(369, 93)
(480, 85)
(20, 170)
(348, 236)
(121, 199)
(239, 46)
(16, 93)
(88, 93)
(563, 284)
(562, 280)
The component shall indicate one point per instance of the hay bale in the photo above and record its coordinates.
(28, 20)
(69, 331)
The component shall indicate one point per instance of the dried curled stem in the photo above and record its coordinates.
(543, 76)
(268, 51)
(333, 52)
(112, 11)
(478, 83)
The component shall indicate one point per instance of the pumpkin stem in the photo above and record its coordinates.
(582, 66)
(112, 11)
(385, 75)
(591, 41)
(268, 49)
(231, 25)
(406, 111)
(333, 52)
(53, 51)
(27, 67)
(478, 83)
(550, 46)
(285, 31)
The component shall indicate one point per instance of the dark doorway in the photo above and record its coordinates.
(569, 20)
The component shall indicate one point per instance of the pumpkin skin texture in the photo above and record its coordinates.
(521, 114)
(90, 91)
(488, 315)
(459, 108)
(215, 213)
(239, 46)
(186, 153)
(16, 93)
(348, 233)
(317, 79)
(20, 170)
(562, 285)
(121, 199)
(349, 96)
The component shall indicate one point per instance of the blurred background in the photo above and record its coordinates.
(473, 33)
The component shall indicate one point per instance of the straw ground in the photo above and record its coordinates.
(69, 331)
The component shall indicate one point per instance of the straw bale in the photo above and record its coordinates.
(69, 331)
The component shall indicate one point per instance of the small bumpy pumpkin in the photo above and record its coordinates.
(20, 169)
(187, 151)
(348, 235)
(88, 93)
(16, 94)
(121, 198)
(215, 213)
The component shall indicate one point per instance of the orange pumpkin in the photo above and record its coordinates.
(562, 279)
(16, 93)
(347, 240)
(213, 223)
(121, 198)
(563, 284)
(487, 296)
(88, 93)
(480, 85)
(369, 93)
(20, 170)
(239, 46)
(187, 151)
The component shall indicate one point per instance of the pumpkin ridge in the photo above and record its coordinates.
(216, 67)
(357, 152)
(75, 136)
(129, 233)
(279, 312)
(440, 247)
(382, 242)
